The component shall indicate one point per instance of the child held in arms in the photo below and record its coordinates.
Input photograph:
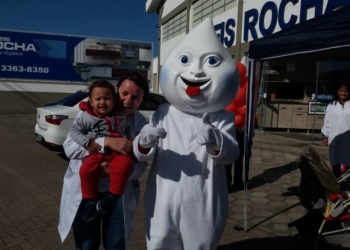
(101, 118)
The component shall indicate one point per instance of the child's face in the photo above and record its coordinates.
(102, 100)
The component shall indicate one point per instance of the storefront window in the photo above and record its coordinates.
(293, 95)
(284, 95)
(329, 75)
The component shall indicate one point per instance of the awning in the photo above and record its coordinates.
(325, 32)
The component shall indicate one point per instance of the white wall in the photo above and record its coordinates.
(170, 5)
(168, 46)
(101, 71)
(79, 52)
(155, 65)
(145, 55)
(290, 10)
(49, 87)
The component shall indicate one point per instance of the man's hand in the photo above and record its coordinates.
(119, 145)
(93, 147)
(150, 134)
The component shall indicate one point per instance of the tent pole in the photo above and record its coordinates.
(249, 103)
(313, 122)
(266, 66)
(255, 69)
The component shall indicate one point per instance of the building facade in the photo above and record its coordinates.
(293, 94)
(36, 68)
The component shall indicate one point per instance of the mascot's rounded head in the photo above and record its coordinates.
(199, 75)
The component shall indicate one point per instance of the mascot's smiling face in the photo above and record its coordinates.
(199, 75)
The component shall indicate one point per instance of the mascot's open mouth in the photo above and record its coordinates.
(193, 87)
(193, 84)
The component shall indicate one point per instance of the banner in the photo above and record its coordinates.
(25, 55)
(37, 56)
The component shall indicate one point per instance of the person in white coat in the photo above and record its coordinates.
(336, 129)
(116, 225)
(186, 200)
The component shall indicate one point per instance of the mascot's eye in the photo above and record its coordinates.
(184, 59)
(212, 61)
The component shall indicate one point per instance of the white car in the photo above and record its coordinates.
(54, 120)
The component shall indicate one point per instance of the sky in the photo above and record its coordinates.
(121, 19)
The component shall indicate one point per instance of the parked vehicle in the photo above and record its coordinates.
(54, 120)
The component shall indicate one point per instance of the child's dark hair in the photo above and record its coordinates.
(335, 93)
(102, 84)
(139, 79)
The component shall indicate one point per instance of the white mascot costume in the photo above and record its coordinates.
(186, 200)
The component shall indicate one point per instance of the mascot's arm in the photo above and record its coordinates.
(145, 155)
(228, 151)
(146, 142)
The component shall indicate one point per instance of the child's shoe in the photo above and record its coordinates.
(90, 211)
(107, 202)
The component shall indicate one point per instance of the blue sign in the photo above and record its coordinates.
(324, 97)
(228, 29)
(254, 20)
(38, 56)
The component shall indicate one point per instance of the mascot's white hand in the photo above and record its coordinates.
(207, 134)
(150, 134)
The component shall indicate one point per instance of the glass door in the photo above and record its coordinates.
(330, 74)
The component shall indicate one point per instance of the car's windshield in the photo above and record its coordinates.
(71, 100)
(152, 102)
